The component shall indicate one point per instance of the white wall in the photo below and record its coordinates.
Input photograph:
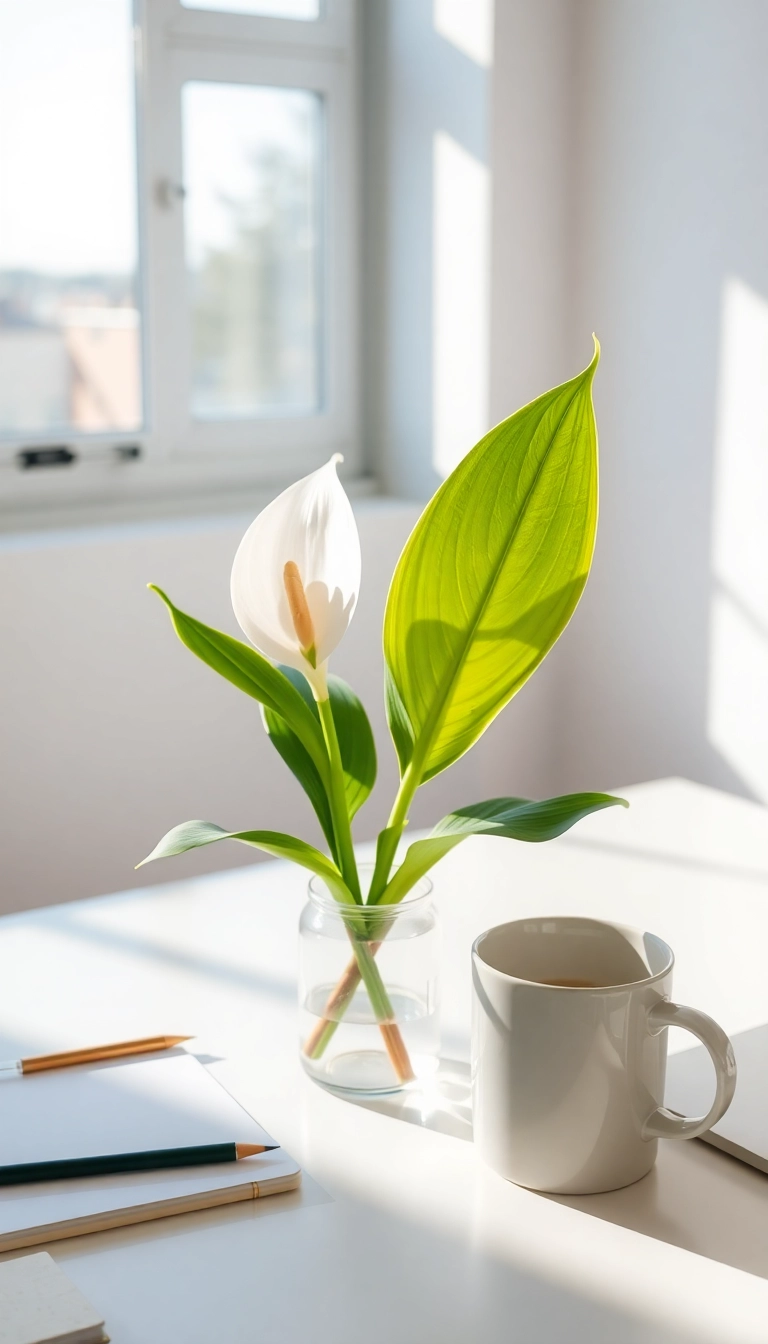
(418, 86)
(630, 167)
(112, 732)
(669, 192)
(534, 83)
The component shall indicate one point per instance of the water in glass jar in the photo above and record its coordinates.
(355, 1057)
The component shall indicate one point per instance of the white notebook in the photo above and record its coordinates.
(39, 1305)
(159, 1101)
(743, 1130)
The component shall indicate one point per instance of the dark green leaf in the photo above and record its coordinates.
(400, 725)
(356, 744)
(298, 759)
(358, 752)
(247, 670)
(512, 818)
(194, 834)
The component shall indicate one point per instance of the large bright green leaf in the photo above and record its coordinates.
(194, 834)
(358, 752)
(513, 818)
(490, 576)
(247, 670)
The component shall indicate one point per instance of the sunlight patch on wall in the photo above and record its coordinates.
(460, 311)
(738, 690)
(468, 25)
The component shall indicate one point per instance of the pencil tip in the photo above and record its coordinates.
(251, 1149)
(176, 1040)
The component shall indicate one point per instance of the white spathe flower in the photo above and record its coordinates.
(296, 575)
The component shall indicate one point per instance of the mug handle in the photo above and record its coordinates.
(664, 1124)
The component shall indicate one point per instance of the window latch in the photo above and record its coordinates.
(59, 455)
(169, 193)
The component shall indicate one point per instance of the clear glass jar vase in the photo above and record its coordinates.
(369, 999)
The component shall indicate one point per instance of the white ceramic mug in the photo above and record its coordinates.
(568, 1079)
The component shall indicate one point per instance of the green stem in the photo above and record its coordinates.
(390, 838)
(316, 1044)
(338, 803)
(324, 1039)
(369, 971)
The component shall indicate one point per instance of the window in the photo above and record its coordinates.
(177, 240)
(252, 229)
(70, 326)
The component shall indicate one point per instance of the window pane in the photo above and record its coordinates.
(275, 9)
(251, 164)
(69, 311)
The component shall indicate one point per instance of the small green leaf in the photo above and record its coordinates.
(400, 725)
(194, 834)
(490, 576)
(356, 744)
(247, 670)
(512, 818)
(299, 761)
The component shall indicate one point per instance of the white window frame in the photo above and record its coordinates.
(181, 456)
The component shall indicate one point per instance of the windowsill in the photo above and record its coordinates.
(104, 493)
(68, 533)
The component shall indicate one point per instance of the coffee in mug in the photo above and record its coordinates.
(573, 984)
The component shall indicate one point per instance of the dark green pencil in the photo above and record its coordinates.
(154, 1160)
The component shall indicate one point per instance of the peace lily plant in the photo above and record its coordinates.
(487, 582)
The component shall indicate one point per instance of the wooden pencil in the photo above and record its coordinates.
(92, 1054)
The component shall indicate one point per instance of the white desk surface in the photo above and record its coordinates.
(399, 1234)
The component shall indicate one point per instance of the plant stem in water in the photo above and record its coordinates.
(369, 971)
(336, 1005)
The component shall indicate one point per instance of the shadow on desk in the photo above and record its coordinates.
(696, 1197)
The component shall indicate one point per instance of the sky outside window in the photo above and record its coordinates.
(70, 330)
